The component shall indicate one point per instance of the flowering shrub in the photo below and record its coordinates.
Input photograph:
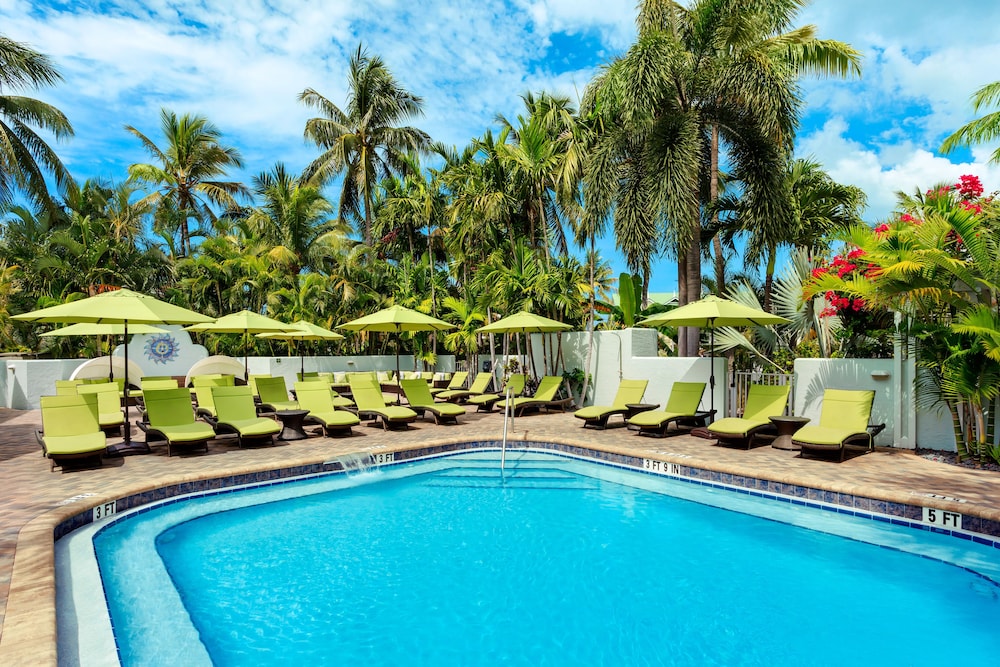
(845, 267)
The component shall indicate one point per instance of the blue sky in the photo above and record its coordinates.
(244, 66)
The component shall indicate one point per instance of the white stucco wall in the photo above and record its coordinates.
(631, 354)
(27, 380)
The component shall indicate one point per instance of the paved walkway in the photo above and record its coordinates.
(34, 500)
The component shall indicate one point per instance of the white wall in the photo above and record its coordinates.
(29, 379)
(631, 354)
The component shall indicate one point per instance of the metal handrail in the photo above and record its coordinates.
(503, 444)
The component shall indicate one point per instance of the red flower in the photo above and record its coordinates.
(882, 229)
(969, 186)
(819, 271)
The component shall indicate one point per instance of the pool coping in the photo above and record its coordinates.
(29, 634)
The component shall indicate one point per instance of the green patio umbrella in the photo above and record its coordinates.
(104, 329)
(525, 323)
(396, 319)
(302, 330)
(710, 313)
(245, 322)
(120, 306)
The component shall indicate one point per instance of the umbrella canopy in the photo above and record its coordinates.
(245, 322)
(302, 330)
(710, 313)
(102, 329)
(524, 322)
(118, 306)
(396, 319)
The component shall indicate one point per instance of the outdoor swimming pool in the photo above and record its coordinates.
(442, 562)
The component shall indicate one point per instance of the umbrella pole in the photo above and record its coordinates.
(246, 356)
(399, 378)
(711, 377)
(127, 428)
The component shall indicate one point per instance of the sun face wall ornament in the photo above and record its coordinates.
(161, 348)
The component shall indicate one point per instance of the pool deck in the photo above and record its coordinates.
(33, 500)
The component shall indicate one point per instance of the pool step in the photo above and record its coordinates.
(512, 482)
(521, 476)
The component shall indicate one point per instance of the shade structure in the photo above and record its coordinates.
(215, 364)
(396, 319)
(120, 306)
(302, 330)
(245, 322)
(710, 313)
(524, 322)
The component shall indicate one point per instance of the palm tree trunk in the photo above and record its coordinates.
(713, 196)
(772, 260)
(682, 332)
(693, 285)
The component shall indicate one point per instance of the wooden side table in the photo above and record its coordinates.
(787, 426)
(636, 408)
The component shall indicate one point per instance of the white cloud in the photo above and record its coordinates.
(883, 171)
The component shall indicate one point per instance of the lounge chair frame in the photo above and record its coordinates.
(598, 416)
(674, 412)
(174, 405)
(418, 395)
(857, 440)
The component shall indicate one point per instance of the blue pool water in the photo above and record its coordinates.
(555, 565)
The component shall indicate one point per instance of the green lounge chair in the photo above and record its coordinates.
(203, 385)
(307, 376)
(157, 383)
(458, 381)
(630, 392)
(235, 412)
(274, 394)
(318, 399)
(67, 387)
(479, 386)
(418, 395)
(252, 381)
(368, 397)
(171, 418)
(763, 402)
(485, 402)
(338, 400)
(70, 428)
(109, 405)
(544, 398)
(843, 423)
(681, 405)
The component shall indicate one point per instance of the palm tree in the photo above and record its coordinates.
(25, 158)
(718, 75)
(818, 208)
(295, 220)
(982, 130)
(186, 170)
(367, 141)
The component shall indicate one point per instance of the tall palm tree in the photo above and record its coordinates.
(295, 219)
(25, 158)
(717, 75)
(366, 141)
(981, 130)
(186, 170)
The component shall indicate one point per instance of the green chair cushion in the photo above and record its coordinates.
(252, 427)
(62, 445)
(193, 432)
(821, 435)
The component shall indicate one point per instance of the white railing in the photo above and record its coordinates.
(740, 386)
